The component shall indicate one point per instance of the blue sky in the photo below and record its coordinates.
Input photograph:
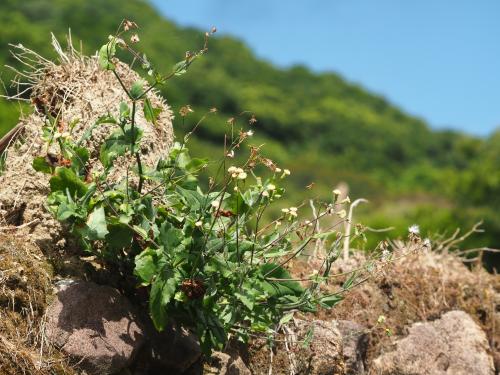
(438, 59)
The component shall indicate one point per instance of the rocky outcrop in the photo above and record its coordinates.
(355, 344)
(454, 344)
(95, 326)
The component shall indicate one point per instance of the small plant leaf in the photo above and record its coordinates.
(106, 53)
(40, 164)
(136, 90)
(151, 113)
(97, 228)
(66, 180)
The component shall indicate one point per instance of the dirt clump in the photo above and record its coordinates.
(73, 95)
(25, 285)
(420, 287)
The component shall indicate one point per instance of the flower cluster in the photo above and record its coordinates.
(237, 173)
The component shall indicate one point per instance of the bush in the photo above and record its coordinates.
(202, 250)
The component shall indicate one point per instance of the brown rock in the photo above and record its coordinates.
(355, 343)
(175, 349)
(454, 344)
(224, 364)
(95, 326)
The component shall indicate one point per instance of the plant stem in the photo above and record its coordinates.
(136, 153)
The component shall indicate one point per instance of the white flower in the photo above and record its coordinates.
(293, 209)
(249, 133)
(414, 229)
(277, 170)
(342, 214)
(270, 187)
(265, 193)
(242, 175)
(199, 223)
(235, 188)
(427, 243)
(286, 172)
(337, 192)
(285, 210)
(346, 200)
(134, 38)
(308, 223)
(231, 169)
(230, 154)
(278, 223)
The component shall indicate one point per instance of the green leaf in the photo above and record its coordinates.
(193, 199)
(124, 110)
(101, 120)
(162, 291)
(236, 204)
(328, 302)
(66, 179)
(279, 288)
(180, 68)
(170, 237)
(136, 90)
(96, 225)
(106, 53)
(146, 265)
(118, 143)
(286, 318)
(247, 302)
(119, 237)
(40, 164)
(79, 159)
(151, 113)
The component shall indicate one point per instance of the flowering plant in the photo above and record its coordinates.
(203, 252)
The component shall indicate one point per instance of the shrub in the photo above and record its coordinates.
(202, 250)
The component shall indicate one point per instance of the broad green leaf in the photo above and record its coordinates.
(170, 237)
(151, 113)
(66, 179)
(194, 200)
(97, 228)
(162, 291)
(146, 265)
(119, 237)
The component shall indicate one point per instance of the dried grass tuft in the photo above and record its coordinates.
(77, 91)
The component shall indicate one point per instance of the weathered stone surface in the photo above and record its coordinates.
(325, 352)
(355, 343)
(454, 344)
(95, 326)
(224, 364)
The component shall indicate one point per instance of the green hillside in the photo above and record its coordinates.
(323, 128)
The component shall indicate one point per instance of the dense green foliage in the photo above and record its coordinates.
(323, 128)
